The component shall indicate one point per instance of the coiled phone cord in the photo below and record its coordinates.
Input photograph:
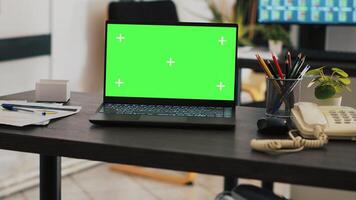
(294, 144)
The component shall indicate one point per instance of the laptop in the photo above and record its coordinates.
(181, 74)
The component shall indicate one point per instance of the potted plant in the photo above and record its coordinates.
(328, 89)
(276, 36)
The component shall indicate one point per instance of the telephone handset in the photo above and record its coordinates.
(307, 115)
(314, 122)
(338, 122)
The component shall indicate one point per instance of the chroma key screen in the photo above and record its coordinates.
(170, 61)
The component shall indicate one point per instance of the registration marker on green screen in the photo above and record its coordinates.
(170, 61)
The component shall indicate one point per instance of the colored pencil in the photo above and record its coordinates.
(271, 68)
(286, 69)
(264, 65)
(275, 60)
(260, 64)
(300, 65)
(290, 89)
(268, 73)
(289, 58)
(297, 81)
(295, 67)
(276, 84)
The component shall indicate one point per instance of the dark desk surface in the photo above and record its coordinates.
(221, 152)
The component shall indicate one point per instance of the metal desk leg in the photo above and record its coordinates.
(50, 177)
(267, 185)
(229, 183)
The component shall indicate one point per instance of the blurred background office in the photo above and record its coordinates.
(48, 39)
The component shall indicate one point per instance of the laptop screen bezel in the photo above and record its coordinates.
(172, 101)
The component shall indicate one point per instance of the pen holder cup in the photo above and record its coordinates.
(281, 96)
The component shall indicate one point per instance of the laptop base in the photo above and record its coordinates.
(161, 121)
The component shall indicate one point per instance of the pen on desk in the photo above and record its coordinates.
(14, 108)
(275, 60)
(44, 107)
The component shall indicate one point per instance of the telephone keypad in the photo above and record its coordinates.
(343, 117)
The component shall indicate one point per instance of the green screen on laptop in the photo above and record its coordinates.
(169, 61)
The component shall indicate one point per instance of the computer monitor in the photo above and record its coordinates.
(307, 11)
(315, 18)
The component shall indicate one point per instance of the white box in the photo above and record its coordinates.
(52, 90)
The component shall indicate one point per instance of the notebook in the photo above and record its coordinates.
(181, 74)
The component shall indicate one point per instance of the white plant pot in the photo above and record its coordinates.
(275, 46)
(334, 101)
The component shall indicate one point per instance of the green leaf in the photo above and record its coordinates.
(345, 81)
(338, 89)
(340, 72)
(315, 71)
(324, 91)
(312, 82)
(326, 80)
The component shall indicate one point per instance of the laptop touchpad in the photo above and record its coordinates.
(162, 118)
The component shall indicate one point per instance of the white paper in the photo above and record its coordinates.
(20, 118)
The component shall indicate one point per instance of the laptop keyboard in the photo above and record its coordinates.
(166, 110)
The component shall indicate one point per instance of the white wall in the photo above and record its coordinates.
(78, 42)
(21, 75)
(23, 18)
(78, 38)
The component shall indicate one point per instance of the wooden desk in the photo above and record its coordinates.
(220, 152)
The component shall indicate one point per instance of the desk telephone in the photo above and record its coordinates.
(316, 124)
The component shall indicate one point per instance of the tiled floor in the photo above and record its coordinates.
(100, 183)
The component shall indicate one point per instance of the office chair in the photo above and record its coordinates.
(249, 192)
(152, 11)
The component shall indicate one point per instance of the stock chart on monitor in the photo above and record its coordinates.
(170, 61)
(307, 11)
